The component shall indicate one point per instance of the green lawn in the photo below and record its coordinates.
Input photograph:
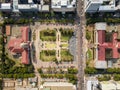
(50, 45)
(65, 45)
(88, 35)
(66, 34)
(48, 55)
(90, 60)
(34, 36)
(89, 54)
(66, 56)
(65, 38)
(48, 35)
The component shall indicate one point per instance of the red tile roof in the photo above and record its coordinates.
(101, 53)
(25, 57)
(25, 35)
(8, 30)
(101, 36)
(114, 45)
(14, 45)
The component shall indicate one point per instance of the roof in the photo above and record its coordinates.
(102, 45)
(30, 1)
(100, 26)
(100, 64)
(101, 36)
(45, 7)
(96, 1)
(27, 6)
(8, 30)
(59, 86)
(62, 84)
(101, 52)
(118, 84)
(66, 3)
(91, 84)
(20, 88)
(25, 57)
(108, 85)
(107, 8)
(5, 5)
(25, 34)
(15, 45)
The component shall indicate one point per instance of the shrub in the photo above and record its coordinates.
(88, 35)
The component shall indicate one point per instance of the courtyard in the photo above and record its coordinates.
(53, 46)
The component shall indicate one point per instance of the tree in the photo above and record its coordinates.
(104, 78)
(1, 39)
(90, 70)
(116, 77)
(88, 35)
(72, 71)
(1, 84)
(113, 70)
(40, 71)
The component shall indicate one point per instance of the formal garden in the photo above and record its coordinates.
(53, 41)
(66, 34)
(55, 47)
(48, 35)
(66, 56)
(48, 55)
(50, 45)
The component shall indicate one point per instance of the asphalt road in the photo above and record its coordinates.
(80, 21)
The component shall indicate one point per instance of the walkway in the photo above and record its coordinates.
(58, 43)
(38, 43)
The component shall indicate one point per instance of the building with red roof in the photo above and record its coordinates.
(8, 30)
(102, 46)
(21, 45)
(25, 57)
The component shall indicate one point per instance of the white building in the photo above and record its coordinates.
(5, 7)
(109, 85)
(99, 64)
(58, 86)
(63, 5)
(92, 84)
(92, 5)
(101, 5)
(16, 6)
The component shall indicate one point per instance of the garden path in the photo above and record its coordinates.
(38, 27)
(58, 42)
